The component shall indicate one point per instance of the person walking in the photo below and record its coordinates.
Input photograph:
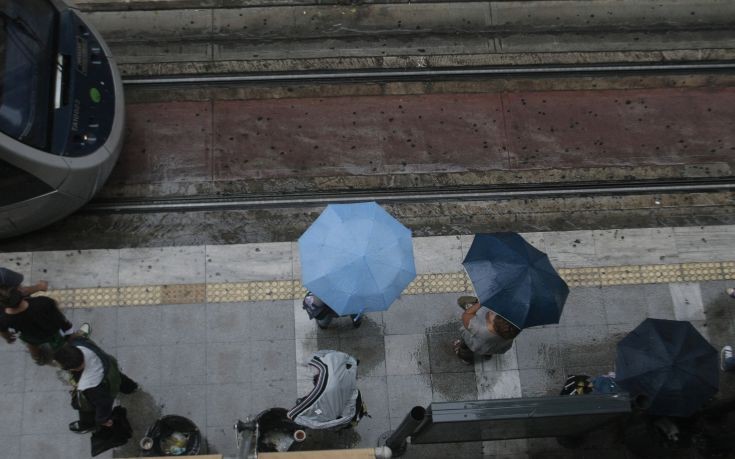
(483, 332)
(97, 380)
(322, 313)
(38, 320)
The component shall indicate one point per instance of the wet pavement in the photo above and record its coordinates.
(216, 333)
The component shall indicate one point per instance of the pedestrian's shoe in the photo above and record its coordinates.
(85, 330)
(725, 354)
(357, 322)
(78, 427)
(730, 291)
(465, 301)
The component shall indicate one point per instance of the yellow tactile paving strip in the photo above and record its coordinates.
(423, 284)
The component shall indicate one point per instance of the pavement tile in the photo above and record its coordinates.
(249, 262)
(76, 269)
(228, 322)
(11, 406)
(437, 254)
(47, 412)
(274, 393)
(588, 345)
(372, 325)
(447, 387)
(374, 390)
(687, 299)
(584, 306)
(659, 303)
(183, 364)
(271, 320)
(60, 445)
(407, 354)
(11, 446)
(369, 350)
(498, 384)
(498, 362)
(635, 246)
(625, 304)
(538, 348)
(719, 309)
(413, 314)
(162, 265)
(221, 440)
(44, 378)
(189, 401)
(138, 325)
(537, 382)
(143, 364)
(226, 403)
(230, 363)
(12, 376)
(442, 356)
(705, 243)
(407, 391)
(103, 322)
(181, 323)
(272, 359)
(569, 249)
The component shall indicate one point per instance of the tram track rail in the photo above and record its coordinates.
(404, 195)
(424, 74)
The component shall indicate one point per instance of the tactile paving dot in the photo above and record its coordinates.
(147, 294)
(271, 290)
(96, 297)
(228, 293)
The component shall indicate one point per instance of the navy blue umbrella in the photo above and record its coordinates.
(515, 279)
(669, 363)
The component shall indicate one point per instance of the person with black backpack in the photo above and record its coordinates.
(97, 380)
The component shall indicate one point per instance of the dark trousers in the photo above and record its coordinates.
(127, 386)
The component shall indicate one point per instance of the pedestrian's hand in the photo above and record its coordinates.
(42, 285)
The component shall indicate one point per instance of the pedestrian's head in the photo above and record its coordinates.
(10, 298)
(69, 358)
(10, 278)
(504, 328)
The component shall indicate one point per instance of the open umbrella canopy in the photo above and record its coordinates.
(669, 363)
(515, 279)
(357, 258)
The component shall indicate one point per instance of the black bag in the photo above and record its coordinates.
(111, 437)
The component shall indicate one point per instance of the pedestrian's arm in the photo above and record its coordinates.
(40, 286)
(469, 313)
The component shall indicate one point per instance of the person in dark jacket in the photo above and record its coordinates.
(98, 380)
(38, 320)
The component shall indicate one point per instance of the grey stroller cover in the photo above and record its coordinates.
(332, 404)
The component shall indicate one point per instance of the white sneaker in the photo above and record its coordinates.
(725, 354)
(730, 291)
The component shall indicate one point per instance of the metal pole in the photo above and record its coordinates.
(397, 441)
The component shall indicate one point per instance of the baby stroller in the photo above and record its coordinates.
(334, 403)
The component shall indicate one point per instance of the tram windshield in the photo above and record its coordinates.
(27, 43)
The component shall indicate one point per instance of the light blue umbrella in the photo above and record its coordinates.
(357, 258)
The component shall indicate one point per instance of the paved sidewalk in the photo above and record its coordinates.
(217, 333)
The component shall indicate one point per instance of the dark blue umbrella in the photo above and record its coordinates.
(669, 363)
(515, 279)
